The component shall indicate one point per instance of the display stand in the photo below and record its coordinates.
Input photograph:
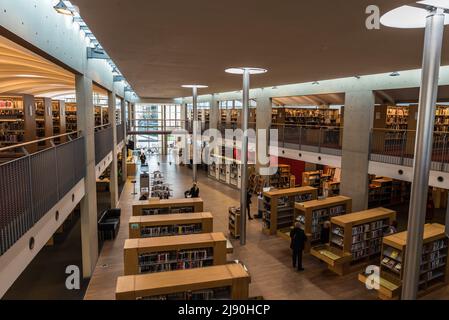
(148, 255)
(170, 224)
(355, 239)
(166, 206)
(279, 207)
(230, 281)
(312, 215)
(434, 267)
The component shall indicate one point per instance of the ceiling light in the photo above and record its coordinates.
(28, 76)
(274, 88)
(62, 8)
(198, 86)
(395, 74)
(243, 69)
(413, 16)
(315, 82)
(357, 77)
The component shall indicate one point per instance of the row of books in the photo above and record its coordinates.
(156, 211)
(213, 294)
(367, 236)
(148, 232)
(373, 243)
(177, 265)
(391, 264)
(435, 246)
(368, 227)
(170, 256)
(357, 255)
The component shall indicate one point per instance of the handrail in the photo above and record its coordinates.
(21, 145)
(102, 126)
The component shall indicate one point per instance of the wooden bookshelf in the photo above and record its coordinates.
(148, 255)
(12, 120)
(434, 271)
(279, 207)
(180, 284)
(355, 239)
(59, 120)
(234, 222)
(170, 225)
(70, 114)
(166, 206)
(312, 214)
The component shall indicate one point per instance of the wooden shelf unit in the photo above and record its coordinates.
(234, 222)
(167, 206)
(279, 207)
(71, 116)
(312, 214)
(12, 121)
(148, 255)
(170, 225)
(354, 238)
(434, 266)
(183, 284)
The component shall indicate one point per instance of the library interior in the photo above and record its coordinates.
(238, 150)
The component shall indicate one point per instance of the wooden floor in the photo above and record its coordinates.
(267, 257)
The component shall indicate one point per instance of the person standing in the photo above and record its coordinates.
(298, 240)
(248, 204)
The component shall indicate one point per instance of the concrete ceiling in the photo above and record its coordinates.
(161, 44)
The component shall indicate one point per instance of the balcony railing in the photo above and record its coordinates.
(31, 185)
(103, 142)
(327, 140)
(120, 133)
(398, 147)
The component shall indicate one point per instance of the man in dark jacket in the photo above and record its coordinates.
(248, 203)
(298, 240)
(194, 192)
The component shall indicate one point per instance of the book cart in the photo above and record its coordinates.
(148, 255)
(279, 207)
(434, 269)
(229, 281)
(166, 206)
(312, 215)
(355, 239)
(170, 225)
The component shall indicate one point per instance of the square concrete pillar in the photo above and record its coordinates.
(113, 176)
(125, 107)
(359, 113)
(263, 121)
(86, 123)
(214, 113)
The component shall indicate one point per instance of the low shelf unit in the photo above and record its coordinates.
(355, 239)
(170, 225)
(229, 281)
(279, 207)
(434, 270)
(167, 206)
(149, 255)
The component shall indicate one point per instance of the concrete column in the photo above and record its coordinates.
(113, 176)
(86, 123)
(164, 139)
(263, 121)
(48, 120)
(214, 114)
(359, 113)
(125, 106)
(183, 114)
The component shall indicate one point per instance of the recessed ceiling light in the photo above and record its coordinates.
(62, 8)
(395, 74)
(315, 82)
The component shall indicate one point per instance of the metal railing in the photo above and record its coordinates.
(103, 142)
(327, 140)
(398, 147)
(120, 133)
(31, 185)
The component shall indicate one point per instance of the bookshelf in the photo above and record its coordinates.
(70, 113)
(12, 120)
(312, 214)
(355, 238)
(434, 269)
(148, 255)
(167, 206)
(44, 120)
(234, 222)
(229, 281)
(170, 225)
(59, 120)
(279, 207)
